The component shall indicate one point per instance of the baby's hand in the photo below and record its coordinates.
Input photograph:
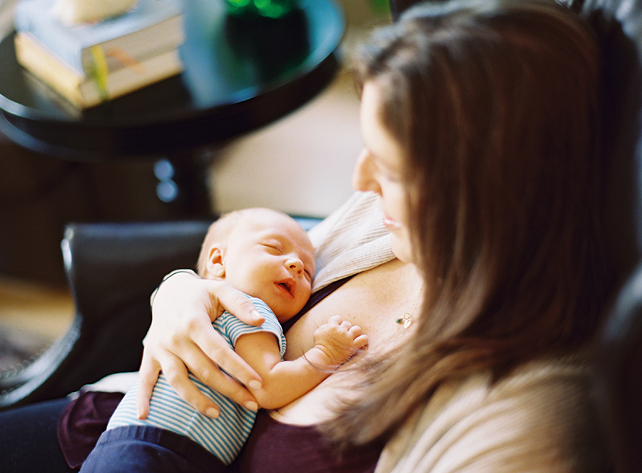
(337, 341)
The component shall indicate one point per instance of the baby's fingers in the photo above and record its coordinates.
(361, 341)
(354, 331)
(335, 320)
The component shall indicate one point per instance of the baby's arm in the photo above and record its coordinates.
(285, 381)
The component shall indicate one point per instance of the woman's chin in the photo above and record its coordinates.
(401, 249)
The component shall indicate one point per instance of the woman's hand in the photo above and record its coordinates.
(181, 338)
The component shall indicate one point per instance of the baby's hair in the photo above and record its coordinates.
(218, 232)
(221, 229)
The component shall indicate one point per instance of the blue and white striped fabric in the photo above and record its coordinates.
(223, 436)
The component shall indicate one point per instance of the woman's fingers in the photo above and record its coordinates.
(225, 385)
(177, 376)
(226, 297)
(214, 347)
(149, 371)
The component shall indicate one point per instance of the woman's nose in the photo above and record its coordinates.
(363, 176)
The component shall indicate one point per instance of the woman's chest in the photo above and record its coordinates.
(373, 300)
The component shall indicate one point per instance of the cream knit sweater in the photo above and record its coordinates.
(541, 419)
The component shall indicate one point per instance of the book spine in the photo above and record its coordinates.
(140, 45)
(129, 80)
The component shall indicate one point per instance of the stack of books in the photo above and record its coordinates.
(91, 63)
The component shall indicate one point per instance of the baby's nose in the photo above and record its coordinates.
(295, 264)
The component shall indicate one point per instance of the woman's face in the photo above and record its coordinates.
(380, 169)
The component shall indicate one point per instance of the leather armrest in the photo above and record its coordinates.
(112, 270)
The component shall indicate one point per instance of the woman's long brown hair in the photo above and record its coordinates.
(496, 105)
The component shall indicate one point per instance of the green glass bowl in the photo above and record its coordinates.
(273, 9)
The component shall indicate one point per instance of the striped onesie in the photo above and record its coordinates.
(223, 436)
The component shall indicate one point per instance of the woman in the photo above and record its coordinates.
(481, 133)
(479, 120)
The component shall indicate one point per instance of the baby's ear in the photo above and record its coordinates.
(215, 266)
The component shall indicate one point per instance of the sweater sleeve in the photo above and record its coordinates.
(541, 420)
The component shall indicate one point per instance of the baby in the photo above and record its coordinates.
(268, 256)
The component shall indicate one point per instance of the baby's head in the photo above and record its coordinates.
(263, 253)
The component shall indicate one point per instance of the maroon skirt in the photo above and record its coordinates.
(272, 447)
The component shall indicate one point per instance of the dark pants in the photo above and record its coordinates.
(143, 449)
(28, 440)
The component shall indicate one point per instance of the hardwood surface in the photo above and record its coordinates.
(32, 316)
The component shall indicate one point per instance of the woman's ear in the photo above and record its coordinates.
(215, 266)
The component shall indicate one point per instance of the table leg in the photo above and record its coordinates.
(183, 183)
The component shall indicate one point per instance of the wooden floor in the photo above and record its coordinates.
(32, 316)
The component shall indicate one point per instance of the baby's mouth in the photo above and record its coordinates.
(288, 286)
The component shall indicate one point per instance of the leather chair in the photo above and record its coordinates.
(618, 370)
